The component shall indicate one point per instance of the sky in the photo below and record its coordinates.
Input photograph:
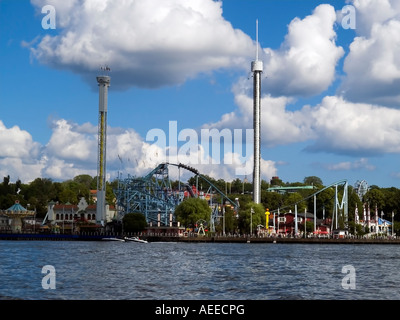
(181, 69)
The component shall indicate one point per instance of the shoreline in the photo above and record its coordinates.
(214, 239)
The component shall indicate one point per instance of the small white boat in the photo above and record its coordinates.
(113, 239)
(136, 239)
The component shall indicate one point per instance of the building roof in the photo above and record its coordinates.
(18, 210)
(16, 207)
(301, 214)
(73, 207)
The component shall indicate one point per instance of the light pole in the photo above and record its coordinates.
(277, 229)
(223, 217)
(251, 221)
(295, 220)
(274, 224)
(392, 224)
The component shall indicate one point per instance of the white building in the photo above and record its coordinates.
(62, 214)
(375, 224)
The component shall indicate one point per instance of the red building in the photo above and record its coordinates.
(285, 223)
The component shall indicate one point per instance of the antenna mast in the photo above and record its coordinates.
(257, 40)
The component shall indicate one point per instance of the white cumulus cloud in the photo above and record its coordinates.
(17, 143)
(19, 154)
(344, 127)
(350, 165)
(372, 66)
(306, 62)
(148, 43)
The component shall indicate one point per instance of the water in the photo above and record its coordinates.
(209, 271)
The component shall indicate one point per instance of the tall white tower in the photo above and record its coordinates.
(256, 69)
(104, 83)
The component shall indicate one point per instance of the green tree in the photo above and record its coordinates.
(231, 221)
(375, 198)
(354, 202)
(325, 201)
(78, 187)
(312, 181)
(236, 186)
(134, 222)
(391, 200)
(291, 199)
(248, 218)
(271, 200)
(67, 196)
(87, 180)
(192, 210)
(44, 191)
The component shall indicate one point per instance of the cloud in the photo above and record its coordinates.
(72, 150)
(17, 143)
(146, 43)
(18, 153)
(305, 64)
(343, 127)
(60, 169)
(278, 125)
(335, 125)
(349, 165)
(372, 66)
(383, 11)
(72, 142)
(18, 168)
(166, 42)
(218, 153)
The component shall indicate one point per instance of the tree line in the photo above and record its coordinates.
(37, 194)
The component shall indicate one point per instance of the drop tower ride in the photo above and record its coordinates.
(103, 82)
(256, 69)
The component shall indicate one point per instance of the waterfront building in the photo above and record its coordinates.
(373, 224)
(285, 223)
(4, 222)
(69, 217)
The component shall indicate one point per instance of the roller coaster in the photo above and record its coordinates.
(154, 196)
(340, 205)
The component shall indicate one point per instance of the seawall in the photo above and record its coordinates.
(205, 239)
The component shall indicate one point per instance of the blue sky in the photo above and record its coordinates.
(330, 95)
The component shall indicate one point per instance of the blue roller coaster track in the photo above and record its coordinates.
(154, 196)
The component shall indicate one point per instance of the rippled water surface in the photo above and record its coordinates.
(118, 270)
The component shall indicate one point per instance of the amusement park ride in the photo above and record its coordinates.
(154, 196)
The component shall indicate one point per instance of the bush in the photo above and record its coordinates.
(134, 222)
